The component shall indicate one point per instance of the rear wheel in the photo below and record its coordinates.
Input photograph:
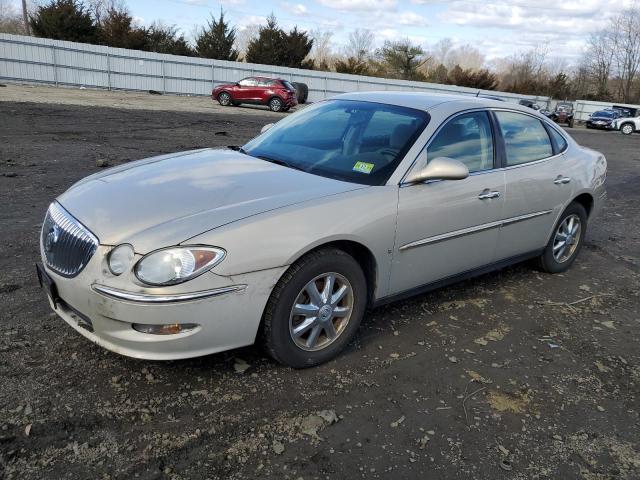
(276, 104)
(566, 240)
(224, 99)
(315, 309)
(627, 128)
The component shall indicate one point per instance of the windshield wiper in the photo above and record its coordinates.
(237, 148)
(277, 161)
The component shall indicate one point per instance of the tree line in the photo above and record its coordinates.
(608, 70)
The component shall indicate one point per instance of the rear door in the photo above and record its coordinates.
(537, 179)
(449, 227)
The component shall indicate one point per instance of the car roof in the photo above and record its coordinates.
(426, 101)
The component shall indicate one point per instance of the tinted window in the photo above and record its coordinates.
(288, 86)
(525, 138)
(466, 138)
(248, 82)
(602, 113)
(559, 139)
(360, 142)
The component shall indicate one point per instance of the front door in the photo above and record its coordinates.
(247, 90)
(449, 227)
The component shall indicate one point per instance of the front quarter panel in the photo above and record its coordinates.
(278, 238)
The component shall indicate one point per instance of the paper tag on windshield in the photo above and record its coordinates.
(363, 167)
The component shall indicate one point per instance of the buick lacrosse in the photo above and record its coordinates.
(287, 241)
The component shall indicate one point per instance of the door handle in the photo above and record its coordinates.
(561, 180)
(485, 195)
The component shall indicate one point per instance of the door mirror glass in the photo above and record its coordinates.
(441, 168)
(266, 127)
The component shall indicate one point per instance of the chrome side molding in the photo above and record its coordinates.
(468, 231)
(166, 298)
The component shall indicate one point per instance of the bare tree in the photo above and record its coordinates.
(322, 51)
(244, 36)
(466, 57)
(598, 61)
(360, 45)
(10, 19)
(440, 51)
(626, 49)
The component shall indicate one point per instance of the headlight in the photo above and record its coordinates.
(120, 258)
(177, 264)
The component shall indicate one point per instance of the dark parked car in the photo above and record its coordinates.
(602, 119)
(278, 94)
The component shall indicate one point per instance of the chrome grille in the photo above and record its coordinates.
(67, 244)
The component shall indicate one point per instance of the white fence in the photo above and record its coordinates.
(41, 60)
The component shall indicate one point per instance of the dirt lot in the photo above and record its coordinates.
(541, 371)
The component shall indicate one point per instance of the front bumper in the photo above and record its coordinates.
(227, 311)
(600, 126)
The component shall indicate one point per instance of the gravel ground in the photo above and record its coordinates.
(516, 374)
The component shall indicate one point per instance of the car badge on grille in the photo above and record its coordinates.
(52, 238)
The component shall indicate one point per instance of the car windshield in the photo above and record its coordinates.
(352, 141)
(604, 114)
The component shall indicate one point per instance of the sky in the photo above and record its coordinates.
(497, 28)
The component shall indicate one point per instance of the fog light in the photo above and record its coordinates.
(167, 329)
(120, 258)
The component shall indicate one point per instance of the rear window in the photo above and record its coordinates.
(560, 141)
(525, 138)
(288, 86)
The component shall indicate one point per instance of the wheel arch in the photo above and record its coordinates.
(628, 122)
(586, 200)
(223, 91)
(360, 252)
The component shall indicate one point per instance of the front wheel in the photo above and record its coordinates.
(224, 99)
(566, 240)
(275, 104)
(627, 129)
(315, 309)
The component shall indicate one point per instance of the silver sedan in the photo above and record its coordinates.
(287, 241)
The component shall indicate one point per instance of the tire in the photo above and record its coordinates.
(302, 92)
(627, 128)
(570, 124)
(315, 343)
(276, 104)
(562, 259)
(224, 99)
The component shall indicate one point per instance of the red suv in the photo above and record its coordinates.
(278, 94)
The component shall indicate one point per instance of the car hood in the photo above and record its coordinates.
(166, 200)
(608, 119)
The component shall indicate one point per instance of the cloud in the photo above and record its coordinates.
(360, 5)
(410, 19)
(295, 8)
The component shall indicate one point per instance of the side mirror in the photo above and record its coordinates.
(440, 168)
(266, 127)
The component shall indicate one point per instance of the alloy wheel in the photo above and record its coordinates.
(225, 99)
(567, 238)
(275, 104)
(321, 311)
(627, 129)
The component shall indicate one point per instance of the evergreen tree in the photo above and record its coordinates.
(268, 47)
(402, 59)
(295, 48)
(64, 20)
(166, 39)
(217, 40)
(116, 29)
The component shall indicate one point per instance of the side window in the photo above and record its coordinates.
(525, 138)
(559, 139)
(248, 82)
(466, 138)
